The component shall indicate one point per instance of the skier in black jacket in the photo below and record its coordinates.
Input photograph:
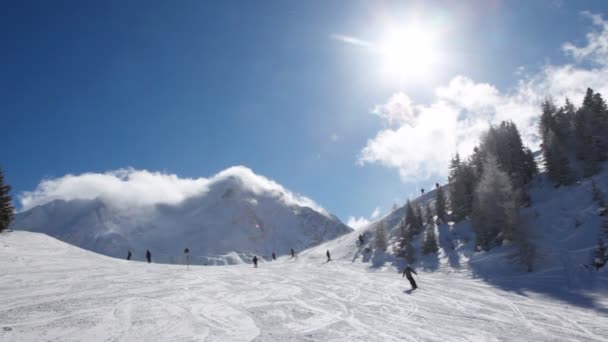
(328, 256)
(148, 256)
(407, 272)
(255, 261)
(129, 256)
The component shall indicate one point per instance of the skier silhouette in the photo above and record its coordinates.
(274, 256)
(129, 256)
(293, 253)
(407, 272)
(148, 256)
(328, 256)
(361, 239)
(422, 191)
(255, 261)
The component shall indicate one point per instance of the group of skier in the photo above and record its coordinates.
(407, 272)
(148, 255)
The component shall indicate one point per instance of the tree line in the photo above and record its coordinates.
(490, 187)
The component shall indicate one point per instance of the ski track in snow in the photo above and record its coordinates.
(50, 291)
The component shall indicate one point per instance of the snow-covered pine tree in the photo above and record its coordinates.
(430, 240)
(7, 210)
(496, 209)
(440, 204)
(380, 237)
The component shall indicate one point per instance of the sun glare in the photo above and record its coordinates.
(407, 53)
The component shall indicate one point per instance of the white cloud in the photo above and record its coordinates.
(421, 138)
(351, 40)
(398, 110)
(140, 188)
(357, 223)
(375, 213)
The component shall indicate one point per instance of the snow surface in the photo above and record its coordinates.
(236, 215)
(52, 291)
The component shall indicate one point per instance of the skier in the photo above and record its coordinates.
(274, 256)
(148, 256)
(437, 185)
(328, 256)
(407, 272)
(293, 253)
(422, 191)
(255, 261)
(129, 256)
(361, 239)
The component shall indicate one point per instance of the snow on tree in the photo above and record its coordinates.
(380, 237)
(7, 210)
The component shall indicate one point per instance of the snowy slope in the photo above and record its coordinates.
(566, 228)
(51, 291)
(239, 214)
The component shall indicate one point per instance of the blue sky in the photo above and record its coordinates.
(194, 87)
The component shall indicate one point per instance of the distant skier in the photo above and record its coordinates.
(437, 185)
(274, 256)
(129, 256)
(407, 272)
(361, 240)
(148, 256)
(255, 261)
(328, 256)
(422, 191)
(293, 253)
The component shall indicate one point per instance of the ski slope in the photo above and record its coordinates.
(51, 291)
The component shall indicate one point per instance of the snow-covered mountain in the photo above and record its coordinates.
(235, 215)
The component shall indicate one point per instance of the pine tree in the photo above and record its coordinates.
(440, 204)
(587, 136)
(410, 215)
(406, 249)
(496, 209)
(419, 219)
(429, 215)
(461, 187)
(556, 161)
(380, 238)
(430, 240)
(7, 211)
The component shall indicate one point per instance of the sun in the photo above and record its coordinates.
(407, 53)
